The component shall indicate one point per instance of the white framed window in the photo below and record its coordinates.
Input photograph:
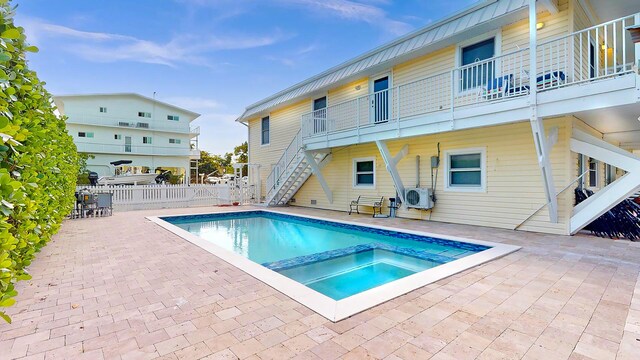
(173, 117)
(144, 114)
(364, 172)
(264, 131)
(594, 174)
(465, 170)
(610, 174)
(103, 109)
(175, 141)
(591, 167)
(146, 139)
(117, 136)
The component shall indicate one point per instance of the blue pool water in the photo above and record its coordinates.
(338, 260)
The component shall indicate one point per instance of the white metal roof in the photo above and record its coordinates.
(429, 36)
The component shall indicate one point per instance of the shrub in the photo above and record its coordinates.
(38, 161)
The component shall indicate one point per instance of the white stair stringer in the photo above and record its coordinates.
(612, 194)
(295, 176)
(292, 170)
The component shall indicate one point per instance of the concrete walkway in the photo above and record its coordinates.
(121, 287)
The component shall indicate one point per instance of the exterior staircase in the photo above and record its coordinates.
(291, 172)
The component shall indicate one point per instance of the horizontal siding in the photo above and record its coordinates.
(514, 183)
(425, 66)
(516, 35)
(348, 92)
(283, 126)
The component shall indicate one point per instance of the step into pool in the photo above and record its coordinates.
(333, 267)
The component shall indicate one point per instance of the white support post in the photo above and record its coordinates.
(605, 199)
(542, 144)
(392, 165)
(315, 169)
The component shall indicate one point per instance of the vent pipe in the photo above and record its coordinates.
(417, 171)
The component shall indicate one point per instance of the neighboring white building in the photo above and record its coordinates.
(126, 126)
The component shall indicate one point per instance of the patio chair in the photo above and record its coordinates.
(498, 87)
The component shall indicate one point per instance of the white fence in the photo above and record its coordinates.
(140, 197)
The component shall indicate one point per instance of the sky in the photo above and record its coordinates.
(213, 57)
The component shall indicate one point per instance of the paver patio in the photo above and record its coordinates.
(122, 287)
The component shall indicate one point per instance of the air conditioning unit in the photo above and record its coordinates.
(418, 198)
(122, 123)
(143, 125)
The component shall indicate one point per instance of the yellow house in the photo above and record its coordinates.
(462, 122)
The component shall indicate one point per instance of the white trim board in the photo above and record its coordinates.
(341, 309)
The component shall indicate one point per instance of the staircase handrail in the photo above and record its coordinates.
(283, 165)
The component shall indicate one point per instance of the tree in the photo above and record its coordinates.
(38, 161)
(213, 164)
(241, 152)
(218, 165)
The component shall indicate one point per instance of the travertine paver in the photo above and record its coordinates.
(123, 288)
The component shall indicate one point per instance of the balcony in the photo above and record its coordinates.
(133, 123)
(585, 70)
(93, 148)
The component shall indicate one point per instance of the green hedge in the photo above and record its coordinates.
(38, 161)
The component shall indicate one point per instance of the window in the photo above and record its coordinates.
(146, 139)
(144, 114)
(364, 172)
(117, 136)
(85, 134)
(173, 117)
(593, 172)
(265, 130)
(465, 170)
(610, 174)
(103, 109)
(475, 76)
(175, 141)
(320, 115)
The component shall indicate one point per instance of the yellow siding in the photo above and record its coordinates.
(348, 92)
(514, 183)
(425, 66)
(516, 35)
(283, 126)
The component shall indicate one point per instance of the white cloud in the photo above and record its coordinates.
(356, 11)
(109, 47)
(197, 104)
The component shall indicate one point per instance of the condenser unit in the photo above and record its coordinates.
(418, 198)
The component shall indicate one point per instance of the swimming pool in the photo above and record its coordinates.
(329, 265)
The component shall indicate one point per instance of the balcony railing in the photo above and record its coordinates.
(124, 149)
(141, 123)
(598, 52)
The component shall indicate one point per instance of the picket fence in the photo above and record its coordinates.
(142, 197)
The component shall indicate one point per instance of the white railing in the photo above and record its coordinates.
(150, 149)
(562, 61)
(285, 165)
(500, 77)
(194, 130)
(600, 51)
(139, 197)
(132, 123)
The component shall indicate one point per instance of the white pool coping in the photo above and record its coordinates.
(336, 310)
